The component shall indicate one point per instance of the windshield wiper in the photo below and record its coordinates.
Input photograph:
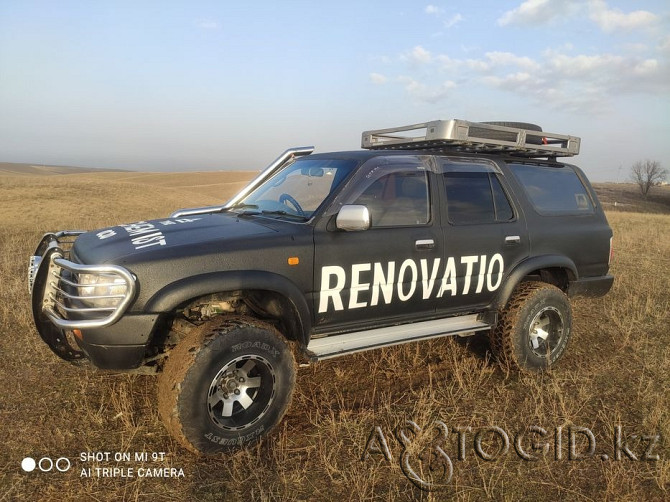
(251, 209)
(284, 213)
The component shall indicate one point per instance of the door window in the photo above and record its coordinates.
(397, 198)
(476, 197)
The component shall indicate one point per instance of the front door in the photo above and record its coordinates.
(391, 269)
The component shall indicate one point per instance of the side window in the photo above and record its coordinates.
(553, 190)
(503, 208)
(397, 198)
(476, 197)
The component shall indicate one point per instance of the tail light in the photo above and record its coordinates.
(609, 262)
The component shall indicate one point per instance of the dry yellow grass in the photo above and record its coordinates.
(616, 372)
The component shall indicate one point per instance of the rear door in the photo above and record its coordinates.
(484, 232)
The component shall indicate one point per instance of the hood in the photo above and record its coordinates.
(112, 244)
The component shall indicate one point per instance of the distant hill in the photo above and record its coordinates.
(627, 197)
(14, 168)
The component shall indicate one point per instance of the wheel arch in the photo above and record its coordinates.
(292, 303)
(553, 269)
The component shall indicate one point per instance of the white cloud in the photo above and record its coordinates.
(510, 59)
(557, 78)
(494, 60)
(208, 24)
(646, 67)
(378, 78)
(613, 19)
(564, 77)
(468, 48)
(427, 93)
(520, 81)
(637, 47)
(433, 10)
(582, 66)
(539, 12)
(529, 12)
(584, 82)
(447, 63)
(664, 44)
(418, 55)
(453, 21)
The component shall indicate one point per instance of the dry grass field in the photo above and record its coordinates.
(616, 373)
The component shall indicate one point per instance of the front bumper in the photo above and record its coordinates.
(119, 347)
(70, 322)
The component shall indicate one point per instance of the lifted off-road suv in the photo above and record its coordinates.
(442, 228)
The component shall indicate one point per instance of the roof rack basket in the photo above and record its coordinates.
(477, 137)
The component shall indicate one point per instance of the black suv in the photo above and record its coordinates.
(442, 228)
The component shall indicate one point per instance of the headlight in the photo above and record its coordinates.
(101, 290)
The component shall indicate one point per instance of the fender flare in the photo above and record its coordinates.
(527, 267)
(183, 290)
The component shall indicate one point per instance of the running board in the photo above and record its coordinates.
(348, 343)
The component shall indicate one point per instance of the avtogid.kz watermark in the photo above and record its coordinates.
(107, 464)
(425, 453)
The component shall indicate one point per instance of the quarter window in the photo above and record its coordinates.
(553, 190)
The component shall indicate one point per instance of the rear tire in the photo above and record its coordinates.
(534, 329)
(225, 385)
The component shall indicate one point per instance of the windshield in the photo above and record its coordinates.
(297, 191)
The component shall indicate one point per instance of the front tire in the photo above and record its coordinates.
(533, 330)
(225, 385)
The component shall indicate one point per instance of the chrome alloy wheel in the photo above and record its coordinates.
(241, 392)
(546, 330)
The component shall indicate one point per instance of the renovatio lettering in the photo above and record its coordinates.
(372, 283)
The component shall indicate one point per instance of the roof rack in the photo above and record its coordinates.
(477, 137)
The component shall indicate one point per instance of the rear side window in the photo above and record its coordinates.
(476, 197)
(553, 190)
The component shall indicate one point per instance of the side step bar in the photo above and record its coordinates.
(348, 343)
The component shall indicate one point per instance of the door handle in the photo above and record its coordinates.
(512, 240)
(424, 244)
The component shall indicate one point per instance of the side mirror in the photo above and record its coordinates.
(353, 218)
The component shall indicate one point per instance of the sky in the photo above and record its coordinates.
(204, 85)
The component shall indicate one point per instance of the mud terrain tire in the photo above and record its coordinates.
(534, 328)
(226, 384)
